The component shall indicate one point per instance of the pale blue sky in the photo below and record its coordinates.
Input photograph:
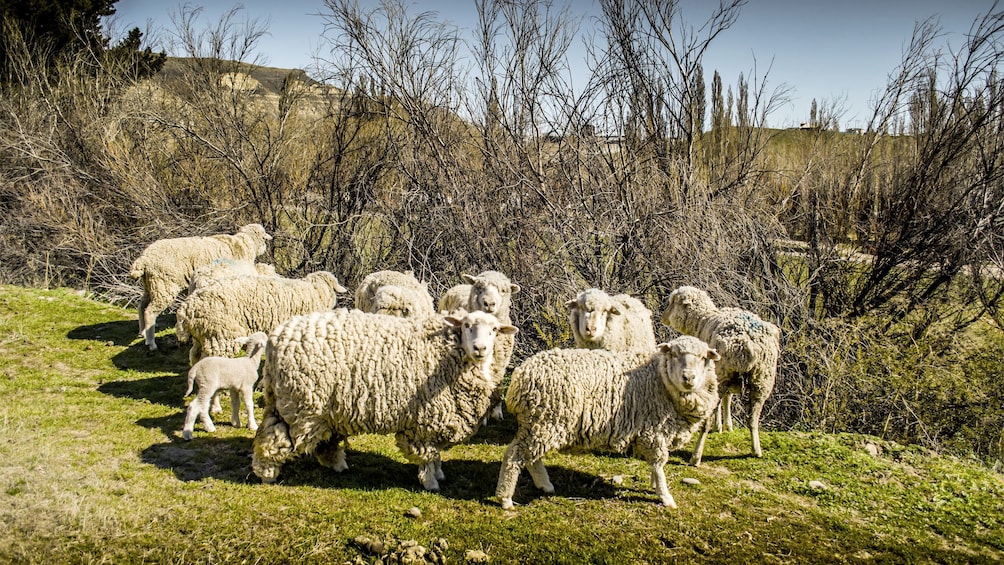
(836, 51)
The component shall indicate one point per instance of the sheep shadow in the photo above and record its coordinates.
(119, 332)
(223, 458)
(167, 390)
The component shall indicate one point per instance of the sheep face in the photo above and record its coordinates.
(253, 343)
(589, 314)
(478, 331)
(488, 294)
(684, 303)
(390, 301)
(259, 231)
(687, 365)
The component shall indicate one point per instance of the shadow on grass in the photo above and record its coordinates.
(120, 332)
(166, 389)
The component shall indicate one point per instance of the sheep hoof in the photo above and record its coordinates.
(668, 502)
(506, 503)
(252, 427)
(187, 434)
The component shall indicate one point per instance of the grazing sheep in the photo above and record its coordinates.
(331, 375)
(750, 348)
(600, 400)
(223, 268)
(491, 292)
(614, 323)
(238, 375)
(405, 296)
(166, 266)
(215, 315)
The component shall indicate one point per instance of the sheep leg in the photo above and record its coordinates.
(248, 394)
(438, 469)
(151, 309)
(330, 453)
(144, 301)
(695, 458)
(725, 410)
(195, 410)
(216, 408)
(756, 407)
(539, 475)
(659, 482)
(512, 463)
(424, 456)
(270, 448)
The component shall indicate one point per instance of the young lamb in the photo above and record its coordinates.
(491, 292)
(166, 266)
(331, 375)
(750, 348)
(614, 323)
(215, 315)
(404, 295)
(238, 375)
(600, 400)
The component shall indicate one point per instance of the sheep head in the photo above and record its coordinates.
(491, 292)
(686, 305)
(478, 331)
(687, 365)
(589, 313)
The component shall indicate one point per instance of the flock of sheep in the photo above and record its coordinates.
(430, 373)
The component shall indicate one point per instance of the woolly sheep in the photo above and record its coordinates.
(750, 348)
(166, 266)
(223, 268)
(491, 292)
(614, 323)
(331, 375)
(404, 295)
(238, 375)
(215, 315)
(600, 400)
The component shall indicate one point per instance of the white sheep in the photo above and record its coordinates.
(750, 348)
(215, 315)
(404, 295)
(614, 323)
(166, 266)
(223, 268)
(331, 375)
(600, 400)
(491, 292)
(238, 375)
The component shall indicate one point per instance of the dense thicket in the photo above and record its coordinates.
(440, 152)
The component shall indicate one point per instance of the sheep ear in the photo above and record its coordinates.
(453, 321)
(514, 288)
(615, 310)
(508, 330)
(338, 286)
(242, 340)
(713, 355)
(469, 279)
(664, 347)
(571, 304)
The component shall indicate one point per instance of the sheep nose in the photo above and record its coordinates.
(479, 350)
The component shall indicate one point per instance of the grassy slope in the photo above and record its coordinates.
(92, 468)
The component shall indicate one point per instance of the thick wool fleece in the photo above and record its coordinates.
(215, 315)
(331, 375)
(600, 400)
(421, 302)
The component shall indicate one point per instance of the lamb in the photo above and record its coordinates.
(491, 292)
(750, 348)
(601, 400)
(166, 266)
(218, 373)
(614, 323)
(224, 268)
(403, 295)
(331, 375)
(215, 315)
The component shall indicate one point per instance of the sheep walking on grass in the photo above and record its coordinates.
(614, 323)
(394, 293)
(238, 375)
(750, 348)
(600, 400)
(166, 266)
(331, 375)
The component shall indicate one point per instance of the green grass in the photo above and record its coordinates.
(93, 469)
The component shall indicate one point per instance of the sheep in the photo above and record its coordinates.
(215, 315)
(239, 375)
(491, 292)
(331, 375)
(750, 348)
(614, 323)
(404, 295)
(223, 268)
(600, 400)
(166, 266)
